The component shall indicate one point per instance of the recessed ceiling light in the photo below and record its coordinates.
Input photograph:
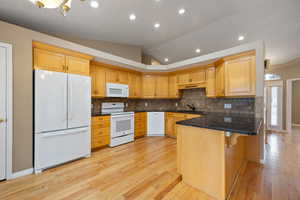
(94, 4)
(181, 11)
(166, 59)
(198, 50)
(241, 37)
(157, 0)
(157, 25)
(132, 17)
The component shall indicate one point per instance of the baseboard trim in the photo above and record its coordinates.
(22, 173)
(277, 131)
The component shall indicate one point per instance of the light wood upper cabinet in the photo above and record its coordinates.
(77, 65)
(111, 76)
(135, 85)
(47, 60)
(52, 58)
(173, 88)
(116, 76)
(98, 81)
(138, 85)
(240, 77)
(149, 85)
(123, 77)
(220, 80)
(211, 82)
(197, 76)
(162, 87)
(183, 78)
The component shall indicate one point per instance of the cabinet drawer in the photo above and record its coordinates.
(103, 124)
(96, 120)
(100, 132)
(100, 141)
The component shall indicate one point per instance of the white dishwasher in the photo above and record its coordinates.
(155, 123)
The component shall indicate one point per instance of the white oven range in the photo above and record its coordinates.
(121, 123)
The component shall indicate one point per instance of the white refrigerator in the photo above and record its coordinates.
(62, 115)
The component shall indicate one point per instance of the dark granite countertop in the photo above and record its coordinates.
(176, 111)
(235, 123)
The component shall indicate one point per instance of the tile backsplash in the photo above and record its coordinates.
(195, 97)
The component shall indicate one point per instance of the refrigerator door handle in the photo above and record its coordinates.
(70, 113)
(62, 133)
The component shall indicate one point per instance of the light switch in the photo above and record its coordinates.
(176, 104)
(146, 104)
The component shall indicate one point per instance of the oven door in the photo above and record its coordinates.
(122, 125)
(116, 90)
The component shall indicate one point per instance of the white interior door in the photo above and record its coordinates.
(50, 101)
(274, 97)
(79, 101)
(3, 116)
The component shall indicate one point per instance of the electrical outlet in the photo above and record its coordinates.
(176, 104)
(146, 104)
(126, 105)
(227, 119)
(227, 106)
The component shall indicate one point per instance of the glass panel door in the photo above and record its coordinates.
(274, 107)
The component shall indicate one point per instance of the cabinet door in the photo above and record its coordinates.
(173, 88)
(77, 65)
(47, 60)
(122, 77)
(170, 125)
(138, 85)
(220, 80)
(162, 87)
(111, 76)
(98, 81)
(149, 86)
(131, 84)
(211, 82)
(240, 77)
(183, 78)
(197, 76)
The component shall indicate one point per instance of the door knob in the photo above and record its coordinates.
(2, 120)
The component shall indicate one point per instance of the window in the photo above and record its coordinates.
(271, 77)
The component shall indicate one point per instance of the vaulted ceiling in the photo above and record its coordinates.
(209, 25)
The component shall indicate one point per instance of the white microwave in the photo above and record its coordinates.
(117, 90)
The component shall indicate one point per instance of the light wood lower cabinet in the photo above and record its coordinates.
(100, 133)
(206, 162)
(140, 124)
(171, 119)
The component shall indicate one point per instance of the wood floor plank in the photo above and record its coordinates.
(146, 169)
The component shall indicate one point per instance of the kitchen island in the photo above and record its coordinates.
(212, 150)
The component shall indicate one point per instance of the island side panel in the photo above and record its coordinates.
(235, 160)
(201, 154)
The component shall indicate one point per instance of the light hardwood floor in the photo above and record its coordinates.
(146, 169)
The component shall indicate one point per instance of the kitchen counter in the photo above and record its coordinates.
(236, 123)
(177, 111)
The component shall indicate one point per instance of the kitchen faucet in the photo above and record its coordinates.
(191, 106)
